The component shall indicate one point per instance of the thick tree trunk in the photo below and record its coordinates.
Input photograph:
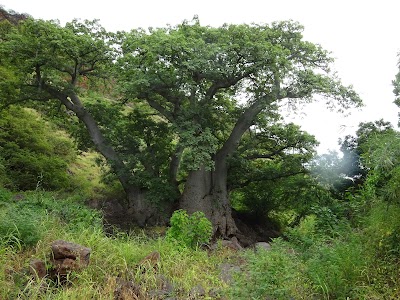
(144, 212)
(206, 191)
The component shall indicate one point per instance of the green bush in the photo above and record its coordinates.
(305, 235)
(383, 229)
(22, 219)
(18, 232)
(310, 264)
(32, 153)
(70, 211)
(4, 179)
(19, 228)
(5, 196)
(190, 231)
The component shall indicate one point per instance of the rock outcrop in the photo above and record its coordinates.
(11, 16)
(65, 257)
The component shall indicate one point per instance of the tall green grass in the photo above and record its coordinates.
(310, 262)
(313, 263)
(112, 256)
(274, 274)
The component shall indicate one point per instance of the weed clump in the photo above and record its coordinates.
(189, 230)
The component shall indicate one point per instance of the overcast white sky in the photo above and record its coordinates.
(363, 36)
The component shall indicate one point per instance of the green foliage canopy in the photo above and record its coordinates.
(73, 65)
(211, 83)
(269, 170)
(188, 91)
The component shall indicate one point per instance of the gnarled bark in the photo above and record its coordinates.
(143, 211)
(206, 191)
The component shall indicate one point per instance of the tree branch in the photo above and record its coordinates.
(266, 178)
(174, 165)
(246, 120)
(161, 109)
(216, 86)
(270, 155)
(243, 123)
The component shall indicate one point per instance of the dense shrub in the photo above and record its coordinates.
(71, 210)
(321, 259)
(337, 268)
(18, 226)
(32, 153)
(189, 231)
(22, 216)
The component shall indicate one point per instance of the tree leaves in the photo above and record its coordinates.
(205, 91)
(183, 71)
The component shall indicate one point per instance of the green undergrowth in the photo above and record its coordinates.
(30, 222)
(309, 262)
(344, 262)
